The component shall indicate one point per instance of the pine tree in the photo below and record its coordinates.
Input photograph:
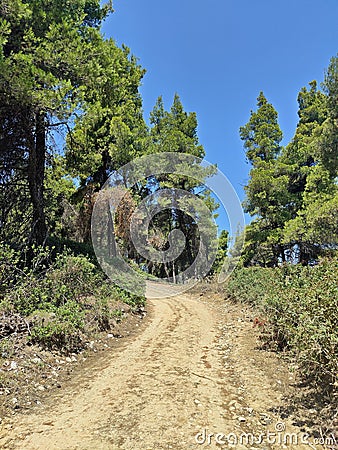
(313, 170)
(176, 131)
(262, 135)
(266, 191)
(46, 62)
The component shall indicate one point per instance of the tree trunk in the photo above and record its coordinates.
(112, 250)
(282, 253)
(36, 177)
(183, 227)
(174, 273)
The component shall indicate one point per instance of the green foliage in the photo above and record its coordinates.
(75, 247)
(313, 173)
(300, 306)
(47, 73)
(267, 189)
(175, 131)
(292, 191)
(223, 244)
(48, 288)
(262, 135)
(9, 270)
(111, 129)
(63, 298)
(133, 300)
(59, 189)
(60, 330)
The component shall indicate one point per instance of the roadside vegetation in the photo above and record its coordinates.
(298, 314)
(59, 300)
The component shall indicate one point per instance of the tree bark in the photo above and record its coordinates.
(36, 178)
(112, 250)
(282, 253)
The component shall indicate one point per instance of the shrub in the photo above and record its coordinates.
(9, 268)
(63, 298)
(61, 330)
(300, 304)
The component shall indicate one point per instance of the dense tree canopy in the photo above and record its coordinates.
(70, 115)
(292, 191)
(47, 66)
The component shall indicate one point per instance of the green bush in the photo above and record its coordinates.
(76, 248)
(62, 329)
(300, 305)
(9, 268)
(72, 277)
(63, 296)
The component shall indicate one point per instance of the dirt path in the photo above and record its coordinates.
(192, 371)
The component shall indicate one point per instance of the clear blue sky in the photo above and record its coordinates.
(219, 54)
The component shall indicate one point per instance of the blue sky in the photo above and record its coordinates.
(219, 54)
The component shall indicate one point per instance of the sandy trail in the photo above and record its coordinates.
(168, 384)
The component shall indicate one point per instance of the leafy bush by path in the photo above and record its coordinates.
(301, 307)
(62, 329)
(63, 300)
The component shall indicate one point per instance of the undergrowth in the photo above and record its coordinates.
(62, 297)
(300, 306)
